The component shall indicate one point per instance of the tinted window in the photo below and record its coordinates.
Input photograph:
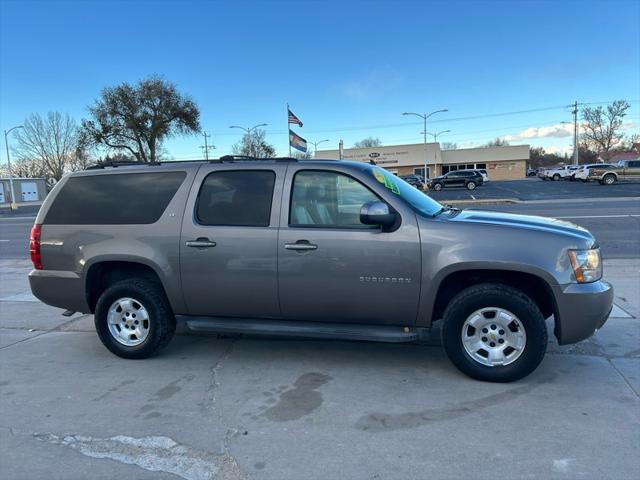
(117, 199)
(328, 199)
(236, 198)
(634, 164)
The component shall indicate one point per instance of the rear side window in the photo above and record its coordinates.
(119, 199)
(236, 198)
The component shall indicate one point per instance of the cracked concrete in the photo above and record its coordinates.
(275, 409)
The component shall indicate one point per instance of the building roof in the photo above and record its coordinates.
(616, 157)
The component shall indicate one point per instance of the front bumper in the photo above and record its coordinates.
(581, 309)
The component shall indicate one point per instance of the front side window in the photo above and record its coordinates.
(236, 198)
(328, 199)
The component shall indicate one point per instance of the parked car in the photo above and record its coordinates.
(624, 171)
(325, 249)
(582, 173)
(557, 173)
(470, 179)
(532, 172)
(414, 180)
(485, 175)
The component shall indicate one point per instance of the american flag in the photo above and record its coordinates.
(293, 119)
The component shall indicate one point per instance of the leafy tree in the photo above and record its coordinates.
(497, 142)
(50, 146)
(368, 142)
(136, 119)
(254, 144)
(602, 127)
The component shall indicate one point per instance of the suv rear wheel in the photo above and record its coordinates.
(471, 185)
(494, 332)
(133, 318)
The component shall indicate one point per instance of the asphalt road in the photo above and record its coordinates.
(611, 221)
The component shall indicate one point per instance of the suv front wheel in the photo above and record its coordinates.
(494, 332)
(133, 318)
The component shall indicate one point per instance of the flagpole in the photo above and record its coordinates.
(288, 135)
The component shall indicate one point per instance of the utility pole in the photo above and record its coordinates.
(341, 150)
(206, 146)
(14, 204)
(575, 133)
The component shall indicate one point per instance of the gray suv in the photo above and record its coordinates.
(324, 249)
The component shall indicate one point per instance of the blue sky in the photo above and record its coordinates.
(348, 68)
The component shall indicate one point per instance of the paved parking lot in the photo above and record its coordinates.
(242, 407)
(536, 189)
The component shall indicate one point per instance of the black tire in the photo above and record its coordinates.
(471, 185)
(437, 187)
(609, 179)
(556, 177)
(502, 296)
(162, 322)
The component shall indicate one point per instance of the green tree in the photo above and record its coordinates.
(136, 119)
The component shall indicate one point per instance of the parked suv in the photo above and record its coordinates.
(469, 179)
(414, 180)
(325, 249)
(625, 170)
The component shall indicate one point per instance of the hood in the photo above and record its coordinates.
(532, 222)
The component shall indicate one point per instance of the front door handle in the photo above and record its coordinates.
(301, 245)
(201, 242)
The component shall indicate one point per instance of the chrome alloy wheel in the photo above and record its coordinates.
(493, 336)
(128, 321)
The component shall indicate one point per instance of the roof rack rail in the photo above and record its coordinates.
(245, 158)
(113, 164)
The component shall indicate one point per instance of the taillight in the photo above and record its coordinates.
(34, 246)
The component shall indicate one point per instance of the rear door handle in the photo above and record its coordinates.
(201, 242)
(301, 245)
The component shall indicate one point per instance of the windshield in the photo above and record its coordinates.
(418, 201)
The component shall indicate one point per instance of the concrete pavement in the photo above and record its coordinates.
(237, 408)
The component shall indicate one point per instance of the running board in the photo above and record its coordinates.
(288, 328)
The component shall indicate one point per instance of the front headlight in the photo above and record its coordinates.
(586, 264)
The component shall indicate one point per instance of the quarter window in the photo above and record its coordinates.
(328, 199)
(236, 198)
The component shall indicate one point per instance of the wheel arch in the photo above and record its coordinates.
(533, 284)
(100, 274)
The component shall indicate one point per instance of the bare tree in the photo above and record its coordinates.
(368, 142)
(602, 127)
(497, 142)
(48, 146)
(254, 144)
(449, 145)
(136, 119)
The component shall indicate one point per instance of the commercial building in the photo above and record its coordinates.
(501, 163)
(26, 190)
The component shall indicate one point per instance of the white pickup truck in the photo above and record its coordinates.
(559, 173)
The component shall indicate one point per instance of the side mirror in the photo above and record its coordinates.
(377, 213)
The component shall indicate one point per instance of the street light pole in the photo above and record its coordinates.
(424, 117)
(14, 205)
(248, 130)
(315, 146)
(435, 140)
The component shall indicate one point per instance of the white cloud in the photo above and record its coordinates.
(376, 82)
(559, 130)
(559, 149)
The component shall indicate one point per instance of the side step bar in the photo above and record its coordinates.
(288, 328)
